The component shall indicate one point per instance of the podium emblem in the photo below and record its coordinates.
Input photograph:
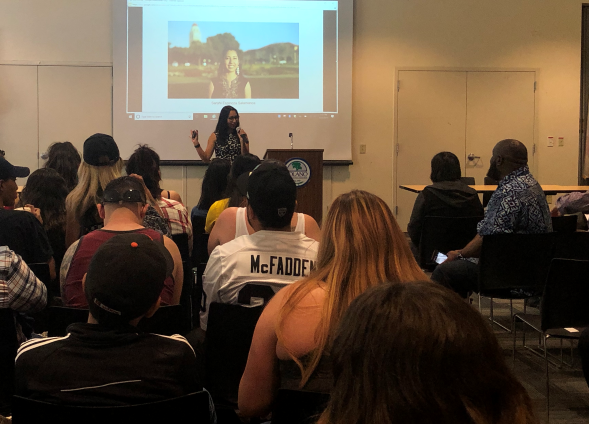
(300, 171)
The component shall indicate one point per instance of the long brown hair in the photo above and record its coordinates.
(361, 246)
(418, 354)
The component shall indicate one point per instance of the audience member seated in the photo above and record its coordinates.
(22, 231)
(102, 164)
(64, 158)
(447, 196)
(233, 223)
(47, 190)
(123, 208)
(273, 254)
(146, 163)
(20, 290)
(234, 195)
(418, 354)
(106, 361)
(214, 185)
(517, 206)
(572, 203)
(361, 246)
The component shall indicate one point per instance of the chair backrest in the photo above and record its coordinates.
(298, 407)
(181, 241)
(41, 271)
(444, 234)
(59, 317)
(167, 320)
(564, 303)
(571, 245)
(192, 408)
(468, 180)
(230, 329)
(257, 290)
(487, 196)
(200, 241)
(515, 261)
(564, 224)
(8, 348)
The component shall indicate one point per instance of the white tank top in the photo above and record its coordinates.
(241, 223)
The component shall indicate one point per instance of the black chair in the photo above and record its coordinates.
(253, 290)
(8, 348)
(487, 195)
(167, 320)
(230, 329)
(514, 266)
(192, 408)
(298, 407)
(564, 224)
(181, 241)
(468, 180)
(573, 245)
(444, 234)
(200, 241)
(59, 317)
(563, 310)
(41, 271)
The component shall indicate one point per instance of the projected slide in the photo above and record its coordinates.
(233, 60)
(284, 65)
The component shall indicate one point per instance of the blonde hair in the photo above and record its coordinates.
(91, 181)
(361, 246)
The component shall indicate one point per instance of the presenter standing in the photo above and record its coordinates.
(228, 141)
(230, 82)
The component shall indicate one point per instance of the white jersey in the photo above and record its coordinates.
(241, 223)
(276, 258)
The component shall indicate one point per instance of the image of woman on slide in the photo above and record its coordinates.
(229, 84)
(228, 141)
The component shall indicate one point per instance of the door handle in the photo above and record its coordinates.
(471, 157)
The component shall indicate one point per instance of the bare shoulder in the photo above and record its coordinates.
(228, 214)
(312, 229)
(174, 195)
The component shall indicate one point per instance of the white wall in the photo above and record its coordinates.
(388, 34)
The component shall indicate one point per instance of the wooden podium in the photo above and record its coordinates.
(310, 194)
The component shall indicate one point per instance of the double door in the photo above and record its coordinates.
(463, 112)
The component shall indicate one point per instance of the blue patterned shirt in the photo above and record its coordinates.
(517, 206)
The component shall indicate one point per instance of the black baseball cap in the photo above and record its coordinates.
(101, 150)
(272, 194)
(125, 278)
(124, 189)
(7, 170)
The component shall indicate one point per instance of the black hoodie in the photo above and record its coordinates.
(445, 198)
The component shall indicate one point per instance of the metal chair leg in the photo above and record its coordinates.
(513, 330)
(547, 380)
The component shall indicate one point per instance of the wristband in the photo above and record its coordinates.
(196, 146)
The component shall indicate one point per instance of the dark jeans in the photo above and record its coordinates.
(459, 275)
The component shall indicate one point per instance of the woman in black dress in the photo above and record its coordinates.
(228, 141)
(230, 82)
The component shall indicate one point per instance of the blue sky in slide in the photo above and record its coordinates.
(250, 35)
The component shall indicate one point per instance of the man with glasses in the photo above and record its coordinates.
(517, 206)
(123, 208)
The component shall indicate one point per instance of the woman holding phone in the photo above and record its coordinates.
(228, 141)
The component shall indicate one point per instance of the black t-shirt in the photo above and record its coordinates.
(24, 234)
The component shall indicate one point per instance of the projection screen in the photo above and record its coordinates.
(294, 60)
